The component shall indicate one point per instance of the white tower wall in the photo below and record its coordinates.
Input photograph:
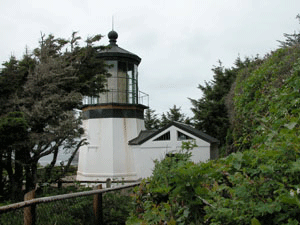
(108, 154)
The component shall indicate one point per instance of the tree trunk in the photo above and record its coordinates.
(18, 195)
(1, 174)
(31, 176)
(49, 168)
(73, 155)
(34, 174)
(29, 179)
(29, 173)
(14, 170)
(11, 177)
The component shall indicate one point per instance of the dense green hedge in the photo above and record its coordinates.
(259, 184)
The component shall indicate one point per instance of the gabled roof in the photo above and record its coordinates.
(148, 134)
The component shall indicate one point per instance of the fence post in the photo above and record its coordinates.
(97, 205)
(108, 183)
(29, 212)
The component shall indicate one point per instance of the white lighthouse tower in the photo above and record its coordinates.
(113, 119)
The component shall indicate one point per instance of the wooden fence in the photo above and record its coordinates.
(29, 204)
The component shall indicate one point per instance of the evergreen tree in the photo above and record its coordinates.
(210, 113)
(214, 112)
(174, 114)
(13, 136)
(151, 120)
(42, 90)
(164, 121)
(291, 39)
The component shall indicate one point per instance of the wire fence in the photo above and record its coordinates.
(102, 206)
(68, 211)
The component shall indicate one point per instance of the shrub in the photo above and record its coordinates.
(258, 185)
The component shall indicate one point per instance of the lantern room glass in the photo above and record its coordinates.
(122, 85)
(127, 83)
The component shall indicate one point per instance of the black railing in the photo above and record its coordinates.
(117, 96)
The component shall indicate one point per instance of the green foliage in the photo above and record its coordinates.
(42, 90)
(56, 174)
(13, 129)
(167, 196)
(151, 120)
(174, 114)
(70, 211)
(260, 184)
(116, 207)
(266, 98)
(291, 39)
(250, 186)
(214, 111)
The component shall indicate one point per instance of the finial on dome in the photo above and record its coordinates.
(113, 36)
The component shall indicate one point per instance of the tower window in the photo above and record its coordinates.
(164, 137)
(182, 136)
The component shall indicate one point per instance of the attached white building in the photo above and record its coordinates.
(119, 146)
(151, 145)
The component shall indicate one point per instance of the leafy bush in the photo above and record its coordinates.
(168, 196)
(258, 185)
(253, 185)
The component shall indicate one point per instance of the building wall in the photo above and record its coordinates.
(145, 153)
(108, 154)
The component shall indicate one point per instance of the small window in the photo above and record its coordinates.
(182, 137)
(164, 137)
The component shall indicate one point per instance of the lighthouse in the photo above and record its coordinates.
(113, 119)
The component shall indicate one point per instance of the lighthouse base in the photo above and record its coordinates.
(108, 155)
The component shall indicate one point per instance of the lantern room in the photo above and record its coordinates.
(122, 85)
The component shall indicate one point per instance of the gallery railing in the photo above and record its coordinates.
(117, 96)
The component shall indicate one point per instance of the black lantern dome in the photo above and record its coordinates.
(114, 52)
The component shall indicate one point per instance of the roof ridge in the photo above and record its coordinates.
(140, 139)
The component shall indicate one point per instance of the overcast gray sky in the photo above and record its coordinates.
(179, 41)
